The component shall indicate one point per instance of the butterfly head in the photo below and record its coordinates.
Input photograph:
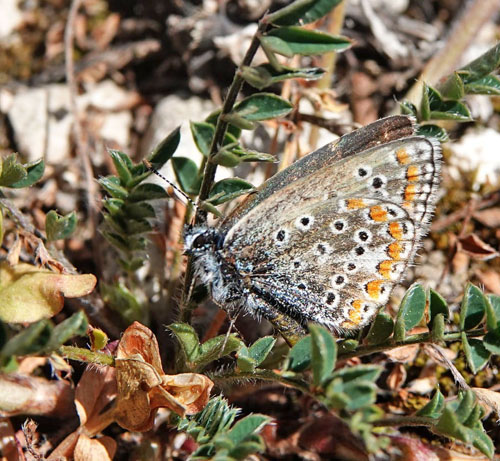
(201, 239)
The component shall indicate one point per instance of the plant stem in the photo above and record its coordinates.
(217, 141)
(87, 356)
(409, 340)
(401, 421)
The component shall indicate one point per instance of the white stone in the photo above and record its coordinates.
(10, 19)
(42, 122)
(116, 127)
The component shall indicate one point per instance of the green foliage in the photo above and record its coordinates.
(39, 338)
(59, 227)
(126, 208)
(217, 436)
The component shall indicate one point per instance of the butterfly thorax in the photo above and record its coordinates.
(212, 267)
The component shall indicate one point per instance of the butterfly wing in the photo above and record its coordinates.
(381, 131)
(330, 246)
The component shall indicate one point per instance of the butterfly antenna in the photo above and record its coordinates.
(151, 168)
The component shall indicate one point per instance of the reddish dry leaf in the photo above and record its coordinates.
(489, 217)
(490, 279)
(489, 398)
(403, 354)
(8, 445)
(87, 449)
(396, 377)
(476, 248)
(413, 449)
(30, 395)
(29, 293)
(143, 387)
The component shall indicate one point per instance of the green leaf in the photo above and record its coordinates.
(239, 121)
(261, 348)
(265, 75)
(249, 155)
(361, 394)
(262, 106)
(213, 118)
(147, 191)
(138, 226)
(247, 427)
(434, 407)
(412, 307)
(12, 171)
(432, 131)
(299, 357)
(139, 210)
(324, 353)
(473, 307)
(59, 227)
(453, 87)
(29, 341)
(302, 12)
(186, 173)
(34, 171)
(381, 329)
(111, 185)
(113, 206)
(120, 299)
(164, 151)
(487, 85)
(438, 328)
(202, 133)
(289, 41)
(451, 110)
(76, 325)
(188, 340)
(476, 354)
(225, 157)
(215, 348)
(491, 341)
(408, 108)
(122, 164)
(368, 373)
(228, 189)
(495, 304)
(437, 305)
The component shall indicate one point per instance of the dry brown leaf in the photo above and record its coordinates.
(396, 377)
(143, 387)
(476, 248)
(403, 354)
(490, 279)
(87, 449)
(30, 395)
(490, 398)
(489, 217)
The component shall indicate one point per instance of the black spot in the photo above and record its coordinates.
(382, 289)
(321, 249)
(330, 298)
(366, 309)
(362, 172)
(359, 251)
(351, 266)
(296, 264)
(377, 183)
(339, 225)
(363, 236)
(304, 221)
(301, 286)
(405, 228)
(280, 236)
(392, 212)
(339, 280)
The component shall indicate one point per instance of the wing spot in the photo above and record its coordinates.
(402, 156)
(412, 173)
(394, 250)
(377, 182)
(410, 192)
(359, 251)
(355, 204)
(396, 230)
(378, 214)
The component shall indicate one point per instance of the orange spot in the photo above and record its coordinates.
(412, 173)
(395, 250)
(355, 203)
(354, 313)
(402, 156)
(348, 324)
(410, 192)
(396, 230)
(377, 213)
(385, 269)
(373, 288)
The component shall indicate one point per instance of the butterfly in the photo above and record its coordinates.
(328, 238)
